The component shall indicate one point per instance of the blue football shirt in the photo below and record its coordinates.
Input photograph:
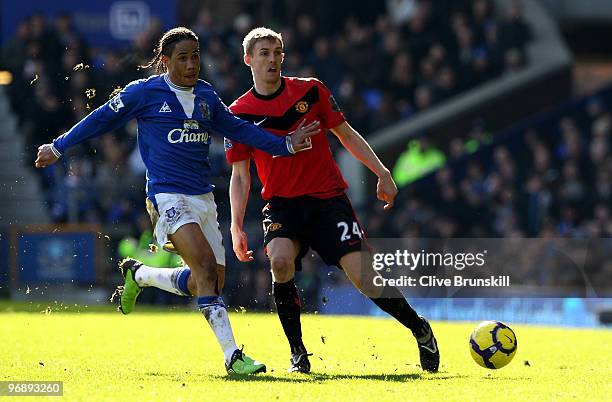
(174, 128)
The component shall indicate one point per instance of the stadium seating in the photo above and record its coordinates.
(384, 65)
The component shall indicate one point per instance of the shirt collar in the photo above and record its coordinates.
(272, 95)
(177, 87)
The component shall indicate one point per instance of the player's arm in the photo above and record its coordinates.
(114, 113)
(245, 132)
(240, 185)
(386, 190)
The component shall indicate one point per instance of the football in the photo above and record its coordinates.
(493, 344)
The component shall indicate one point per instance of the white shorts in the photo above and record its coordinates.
(176, 210)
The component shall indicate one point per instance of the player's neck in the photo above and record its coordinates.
(266, 88)
(173, 82)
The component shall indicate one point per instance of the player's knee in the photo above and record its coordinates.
(282, 268)
(205, 268)
(281, 264)
(206, 278)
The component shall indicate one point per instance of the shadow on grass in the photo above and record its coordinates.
(322, 377)
(506, 378)
(52, 307)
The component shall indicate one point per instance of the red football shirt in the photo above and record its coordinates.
(310, 172)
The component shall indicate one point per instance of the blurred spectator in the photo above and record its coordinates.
(557, 183)
(514, 32)
(419, 159)
(384, 61)
(74, 197)
(138, 246)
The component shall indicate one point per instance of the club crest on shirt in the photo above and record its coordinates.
(205, 110)
(191, 125)
(301, 106)
(273, 227)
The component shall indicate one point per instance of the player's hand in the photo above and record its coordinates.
(300, 138)
(386, 190)
(240, 245)
(45, 156)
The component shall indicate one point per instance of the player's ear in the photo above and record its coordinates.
(282, 57)
(247, 59)
(165, 60)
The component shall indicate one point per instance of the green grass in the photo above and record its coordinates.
(171, 355)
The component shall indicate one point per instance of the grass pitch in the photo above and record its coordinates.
(172, 355)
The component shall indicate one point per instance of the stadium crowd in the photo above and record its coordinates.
(552, 181)
(384, 62)
(556, 182)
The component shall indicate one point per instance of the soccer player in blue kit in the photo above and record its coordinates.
(175, 113)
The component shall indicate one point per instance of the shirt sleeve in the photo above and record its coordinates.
(235, 151)
(242, 131)
(115, 113)
(331, 114)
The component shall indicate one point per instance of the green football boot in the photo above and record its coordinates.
(128, 293)
(243, 364)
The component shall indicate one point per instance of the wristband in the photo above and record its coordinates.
(55, 151)
(289, 144)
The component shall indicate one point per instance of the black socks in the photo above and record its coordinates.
(394, 304)
(288, 305)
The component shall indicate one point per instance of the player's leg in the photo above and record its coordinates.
(190, 224)
(177, 280)
(238, 363)
(338, 238)
(174, 280)
(194, 248)
(283, 222)
(282, 253)
(220, 279)
(358, 268)
(138, 275)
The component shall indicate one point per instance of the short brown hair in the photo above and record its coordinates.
(258, 34)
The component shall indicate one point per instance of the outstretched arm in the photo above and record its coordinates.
(114, 113)
(386, 190)
(240, 184)
(244, 132)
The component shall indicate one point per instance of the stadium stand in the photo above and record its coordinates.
(549, 175)
(523, 182)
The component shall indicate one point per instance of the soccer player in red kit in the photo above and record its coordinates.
(307, 205)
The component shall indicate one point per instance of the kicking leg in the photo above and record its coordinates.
(137, 276)
(358, 268)
(174, 280)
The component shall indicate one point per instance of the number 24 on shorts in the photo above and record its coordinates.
(345, 230)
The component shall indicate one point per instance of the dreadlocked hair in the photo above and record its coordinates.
(165, 46)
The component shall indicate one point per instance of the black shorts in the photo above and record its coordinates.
(328, 226)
